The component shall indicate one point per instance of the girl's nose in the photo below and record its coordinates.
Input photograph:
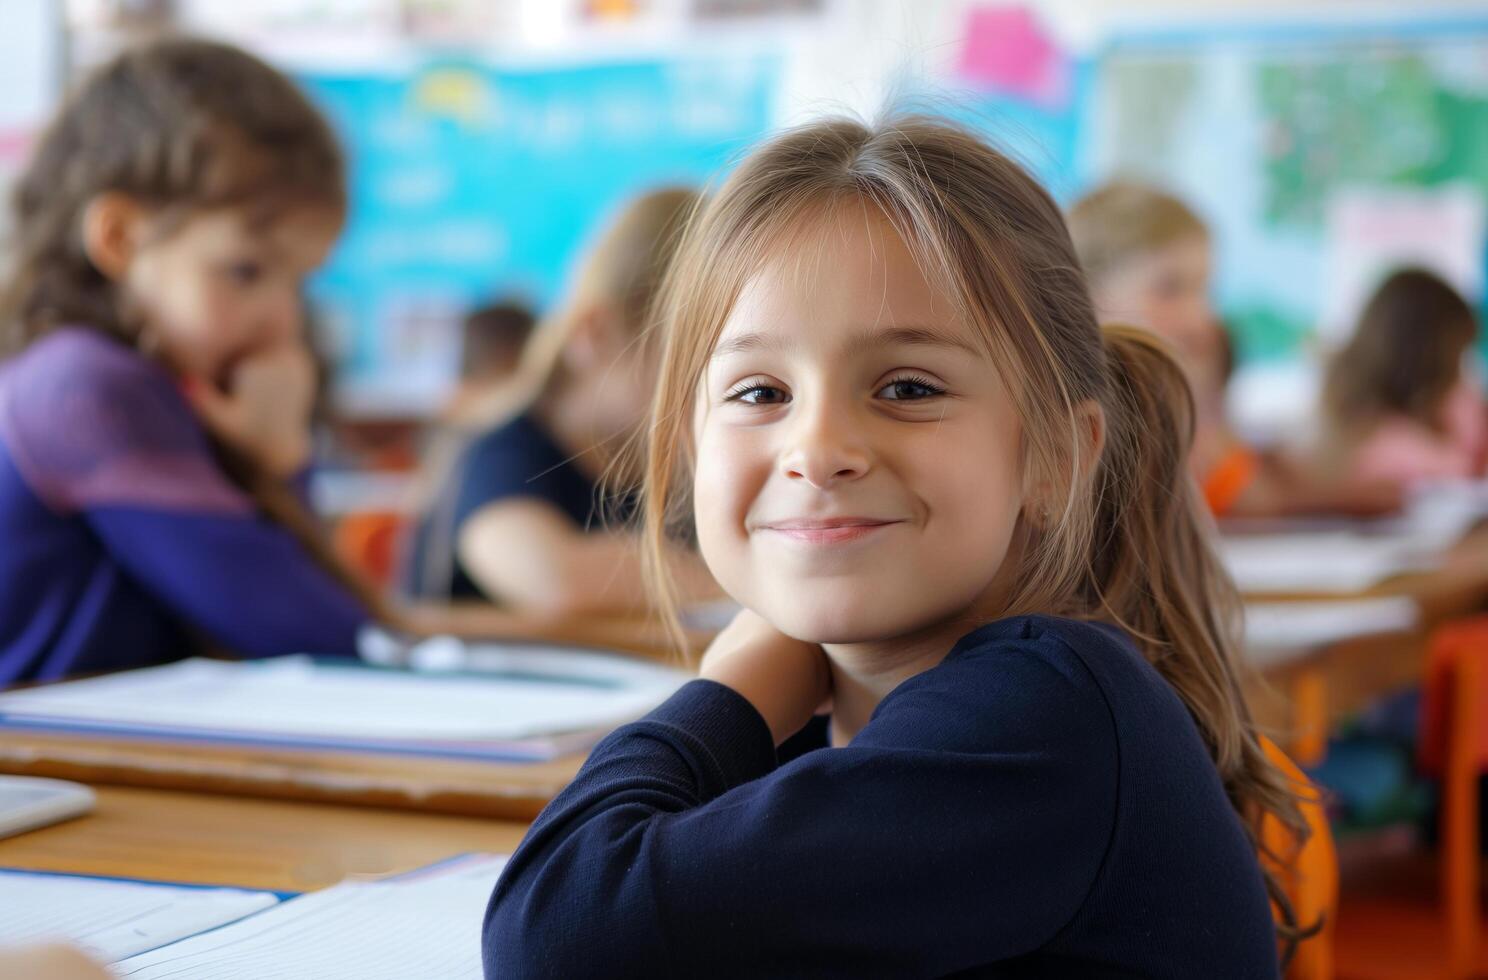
(826, 449)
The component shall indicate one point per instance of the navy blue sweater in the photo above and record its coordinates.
(1040, 804)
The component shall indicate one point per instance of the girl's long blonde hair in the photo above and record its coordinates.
(1125, 541)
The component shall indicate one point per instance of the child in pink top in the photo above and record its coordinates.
(1401, 402)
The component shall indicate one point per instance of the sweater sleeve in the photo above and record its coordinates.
(244, 581)
(965, 824)
(98, 431)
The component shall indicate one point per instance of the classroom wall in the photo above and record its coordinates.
(451, 110)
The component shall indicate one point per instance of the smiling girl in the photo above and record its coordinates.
(956, 511)
(155, 416)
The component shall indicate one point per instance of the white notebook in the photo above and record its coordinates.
(1275, 630)
(1339, 561)
(112, 918)
(423, 924)
(471, 711)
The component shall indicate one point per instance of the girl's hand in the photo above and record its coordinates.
(786, 680)
(265, 413)
(50, 962)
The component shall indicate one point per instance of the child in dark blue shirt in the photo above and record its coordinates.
(532, 513)
(958, 517)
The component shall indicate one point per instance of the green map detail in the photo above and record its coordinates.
(1264, 333)
(1363, 114)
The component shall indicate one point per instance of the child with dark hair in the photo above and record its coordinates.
(1399, 402)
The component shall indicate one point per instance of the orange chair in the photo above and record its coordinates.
(1454, 747)
(1309, 873)
(368, 541)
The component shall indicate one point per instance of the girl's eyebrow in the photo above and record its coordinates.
(871, 337)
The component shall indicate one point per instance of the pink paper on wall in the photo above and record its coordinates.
(1007, 49)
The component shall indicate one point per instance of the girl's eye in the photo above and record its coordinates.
(245, 273)
(910, 390)
(754, 393)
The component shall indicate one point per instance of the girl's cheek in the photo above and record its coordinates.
(721, 485)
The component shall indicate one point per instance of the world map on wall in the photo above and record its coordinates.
(1262, 136)
(1371, 115)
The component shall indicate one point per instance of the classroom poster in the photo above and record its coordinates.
(1015, 83)
(471, 181)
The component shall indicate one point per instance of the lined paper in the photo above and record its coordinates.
(113, 919)
(426, 924)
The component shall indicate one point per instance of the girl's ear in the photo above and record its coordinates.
(112, 226)
(1041, 497)
(1091, 419)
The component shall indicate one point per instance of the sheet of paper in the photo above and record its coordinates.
(1293, 625)
(422, 925)
(114, 919)
(293, 695)
(1326, 561)
(1442, 513)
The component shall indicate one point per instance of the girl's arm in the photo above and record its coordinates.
(100, 432)
(527, 552)
(959, 827)
(241, 579)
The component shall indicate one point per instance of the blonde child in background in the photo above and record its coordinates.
(528, 515)
(1148, 258)
(954, 507)
(1401, 401)
(155, 409)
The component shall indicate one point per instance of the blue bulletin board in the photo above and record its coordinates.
(470, 181)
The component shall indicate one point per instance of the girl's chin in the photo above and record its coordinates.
(844, 626)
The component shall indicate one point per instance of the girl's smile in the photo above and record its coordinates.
(827, 531)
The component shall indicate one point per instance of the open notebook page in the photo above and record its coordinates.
(113, 919)
(294, 695)
(426, 924)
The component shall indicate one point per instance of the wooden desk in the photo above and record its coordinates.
(1301, 699)
(1298, 699)
(141, 833)
(644, 636)
(511, 791)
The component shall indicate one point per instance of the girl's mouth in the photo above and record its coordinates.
(831, 530)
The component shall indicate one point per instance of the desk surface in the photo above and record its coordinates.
(501, 790)
(512, 791)
(1358, 671)
(298, 845)
(1354, 673)
(285, 846)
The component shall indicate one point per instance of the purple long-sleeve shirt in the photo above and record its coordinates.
(119, 534)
